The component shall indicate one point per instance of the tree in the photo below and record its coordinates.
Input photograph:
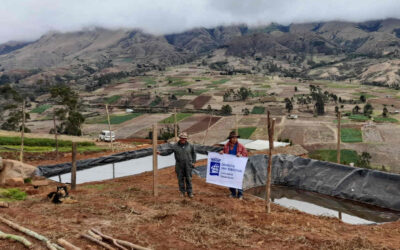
(295, 89)
(336, 110)
(356, 109)
(368, 109)
(364, 160)
(14, 121)
(70, 116)
(245, 111)
(244, 93)
(385, 111)
(288, 105)
(226, 109)
(363, 99)
(319, 105)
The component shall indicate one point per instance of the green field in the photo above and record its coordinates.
(346, 156)
(245, 133)
(359, 118)
(114, 119)
(185, 92)
(385, 119)
(350, 135)
(179, 117)
(149, 80)
(39, 142)
(259, 93)
(175, 81)
(364, 94)
(43, 149)
(258, 110)
(40, 109)
(113, 99)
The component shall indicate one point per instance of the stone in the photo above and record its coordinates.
(15, 169)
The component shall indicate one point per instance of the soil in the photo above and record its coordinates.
(200, 101)
(209, 220)
(202, 125)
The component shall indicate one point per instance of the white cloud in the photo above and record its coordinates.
(29, 19)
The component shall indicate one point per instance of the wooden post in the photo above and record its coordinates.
(155, 162)
(338, 140)
(271, 125)
(236, 125)
(109, 128)
(209, 123)
(55, 135)
(73, 169)
(175, 126)
(21, 155)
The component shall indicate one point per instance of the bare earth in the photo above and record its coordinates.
(209, 220)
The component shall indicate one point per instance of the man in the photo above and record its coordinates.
(233, 147)
(185, 157)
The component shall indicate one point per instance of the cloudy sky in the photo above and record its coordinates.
(29, 19)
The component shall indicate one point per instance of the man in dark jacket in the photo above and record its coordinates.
(185, 157)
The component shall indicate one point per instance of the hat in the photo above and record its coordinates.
(233, 134)
(183, 135)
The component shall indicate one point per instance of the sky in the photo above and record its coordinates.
(29, 19)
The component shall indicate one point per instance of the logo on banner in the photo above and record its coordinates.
(215, 165)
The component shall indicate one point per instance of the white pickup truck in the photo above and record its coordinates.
(105, 135)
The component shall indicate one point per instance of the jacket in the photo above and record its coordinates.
(185, 155)
(240, 149)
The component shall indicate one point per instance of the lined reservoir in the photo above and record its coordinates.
(318, 204)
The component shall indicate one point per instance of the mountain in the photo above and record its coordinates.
(372, 42)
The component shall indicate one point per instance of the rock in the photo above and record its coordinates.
(14, 182)
(15, 169)
(38, 183)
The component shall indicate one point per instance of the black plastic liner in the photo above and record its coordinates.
(164, 149)
(358, 184)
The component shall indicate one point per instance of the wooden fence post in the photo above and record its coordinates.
(109, 128)
(55, 135)
(236, 125)
(155, 162)
(271, 125)
(338, 139)
(175, 126)
(73, 169)
(21, 155)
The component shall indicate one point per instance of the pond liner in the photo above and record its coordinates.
(358, 184)
(164, 149)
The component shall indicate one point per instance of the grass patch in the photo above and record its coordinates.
(149, 80)
(245, 133)
(40, 109)
(179, 117)
(185, 92)
(364, 94)
(346, 155)
(350, 135)
(200, 78)
(385, 119)
(44, 149)
(359, 118)
(39, 142)
(12, 194)
(342, 121)
(288, 83)
(265, 86)
(259, 93)
(258, 110)
(114, 119)
(175, 81)
(220, 81)
(113, 99)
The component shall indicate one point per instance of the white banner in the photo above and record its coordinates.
(226, 170)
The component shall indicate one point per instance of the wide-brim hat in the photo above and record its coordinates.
(233, 134)
(183, 135)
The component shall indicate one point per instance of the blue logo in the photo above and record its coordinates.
(215, 165)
